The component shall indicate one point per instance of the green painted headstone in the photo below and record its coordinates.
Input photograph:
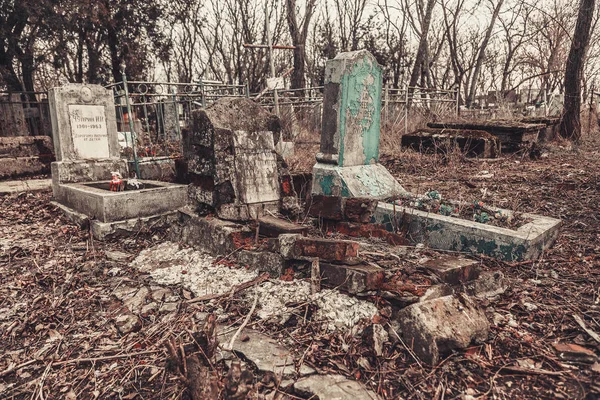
(347, 164)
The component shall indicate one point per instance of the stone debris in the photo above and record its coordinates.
(333, 387)
(127, 323)
(117, 256)
(454, 270)
(489, 284)
(168, 264)
(436, 327)
(266, 354)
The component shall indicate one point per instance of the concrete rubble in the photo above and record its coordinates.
(333, 387)
(167, 264)
(434, 328)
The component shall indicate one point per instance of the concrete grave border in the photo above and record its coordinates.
(451, 233)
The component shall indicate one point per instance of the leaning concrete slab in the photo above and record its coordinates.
(456, 234)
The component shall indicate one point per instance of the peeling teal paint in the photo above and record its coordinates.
(361, 99)
(434, 227)
(345, 190)
(326, 183)
(512, 252)
(481, 246)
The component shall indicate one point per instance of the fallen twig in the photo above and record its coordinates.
(236, 334)
(583, 326)
(17, 367)
(105, 358)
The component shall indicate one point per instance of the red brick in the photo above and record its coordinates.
(352, 278)
(359, 210)
(370, 231)
(326, 249)
(328, 207)
(454, 270)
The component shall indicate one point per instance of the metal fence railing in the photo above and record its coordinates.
(151, 115)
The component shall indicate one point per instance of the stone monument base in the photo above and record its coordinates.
(372, 181)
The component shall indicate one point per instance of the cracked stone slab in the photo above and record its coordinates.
(333, 387)
(266, 354)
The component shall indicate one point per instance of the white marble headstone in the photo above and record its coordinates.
(90, 134)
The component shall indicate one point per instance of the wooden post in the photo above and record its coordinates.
(315, 277)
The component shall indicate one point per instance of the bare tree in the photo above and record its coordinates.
(421, 64)
(299, 31)
(570, 123)
(482, 49)
(350, 14)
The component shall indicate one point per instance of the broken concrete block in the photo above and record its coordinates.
(230, 157)
(266, 261)
(371, 231)
(375, 336)
(474, 143)
(333, 387)
(489, 284)
(266, 354)
(324, 249)
(454, 270)
(436, 327)
(359, 209)
(352, 278)
(213, 235)
(273, 227)
(127, 323)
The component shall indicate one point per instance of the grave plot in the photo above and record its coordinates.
(242, 205)
(472, 143)
(513, 135)
(87, 153)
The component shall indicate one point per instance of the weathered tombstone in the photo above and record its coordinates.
(84, 130)
(348, 161)
(230, 160)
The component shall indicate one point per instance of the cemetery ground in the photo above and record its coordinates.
(64, 331)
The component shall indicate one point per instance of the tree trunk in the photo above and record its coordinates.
(570, 123)
(481, 54)
(299, 34)
(422, 50)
